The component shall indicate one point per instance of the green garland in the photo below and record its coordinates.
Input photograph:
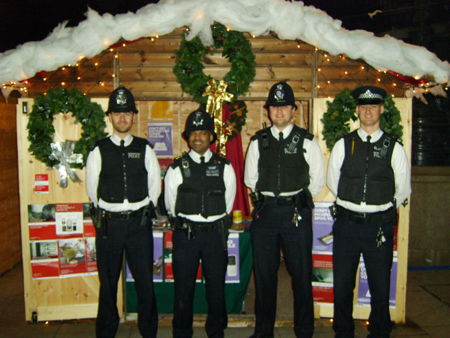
(336, 120)
(60, 100)
(189, 68)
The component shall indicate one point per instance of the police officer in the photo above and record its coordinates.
(284, 168)
(369, 175)
(200, 187)
(123, 183)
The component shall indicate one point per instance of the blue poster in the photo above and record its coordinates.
(160, 136)
(233, 268)
(363, 285)
(322, 227)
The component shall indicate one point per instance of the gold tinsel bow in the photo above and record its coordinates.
(217, 94)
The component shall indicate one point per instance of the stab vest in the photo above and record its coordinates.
(282, 166)
(202, 190)
(123, 174)
(366, 173)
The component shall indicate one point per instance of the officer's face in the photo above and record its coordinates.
(199, 141)
(369, 115)
(281, 116)
(121, 122)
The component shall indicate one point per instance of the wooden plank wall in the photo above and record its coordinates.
(145, 66)
(176, 112)
(10, 249)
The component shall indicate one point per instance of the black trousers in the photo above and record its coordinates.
(271, 231)
(351, 239)
(137, 242)
(187, 253)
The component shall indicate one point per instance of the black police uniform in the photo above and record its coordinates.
(364, 180)
(118, 179)
(199, 193)
(283, 216)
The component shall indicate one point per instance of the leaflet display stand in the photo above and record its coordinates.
(58, 250)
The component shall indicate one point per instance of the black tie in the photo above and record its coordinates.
(202, 159)
(122, 143)
(368, 139)
(280, 136)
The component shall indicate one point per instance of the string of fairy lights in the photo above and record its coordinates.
(82, 68)
(331, 71)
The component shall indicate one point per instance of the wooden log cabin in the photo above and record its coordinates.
(145, 66)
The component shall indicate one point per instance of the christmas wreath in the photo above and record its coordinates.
(336, 120)
(237, 49)
(60, 100)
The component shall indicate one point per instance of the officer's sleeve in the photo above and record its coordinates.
(93, 168)
(229, 178)
(402, 174)
(251, 165)
(314, 158)
(153, 175)
(172, 180)
(334, 166)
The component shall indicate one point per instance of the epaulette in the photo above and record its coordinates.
(263, 137)
(177, 160)
(219, 159)
(308, 135)
(303, 133)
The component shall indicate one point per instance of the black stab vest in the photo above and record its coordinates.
(282, 166)
(366, 173)
(123, 174)
(203, 189)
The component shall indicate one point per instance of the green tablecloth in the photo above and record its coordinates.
(235, 293)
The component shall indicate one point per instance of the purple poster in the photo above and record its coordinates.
(160, 136)
(363, 285)
(322, 228)
(233, 268)
(157, 258)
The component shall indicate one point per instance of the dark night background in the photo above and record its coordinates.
(419, 22)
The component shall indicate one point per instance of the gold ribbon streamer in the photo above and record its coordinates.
(217, 94)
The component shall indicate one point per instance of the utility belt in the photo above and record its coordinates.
(300, 200)
(124, 215)
(101, 217)
(192, 229)
(384, 216)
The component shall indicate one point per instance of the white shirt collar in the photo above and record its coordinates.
(116, 139)
(276, 132)
(196, 156)
(374, 137)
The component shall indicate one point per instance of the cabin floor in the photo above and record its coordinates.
(427, 312)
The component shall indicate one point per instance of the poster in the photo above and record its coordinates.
(72, 256)
(160, 136)
(233, 268)
(322, 281)
(322, 227)
(69, 218)
(363, 285)
(167, 256)
(41, 183)
(62, 240)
